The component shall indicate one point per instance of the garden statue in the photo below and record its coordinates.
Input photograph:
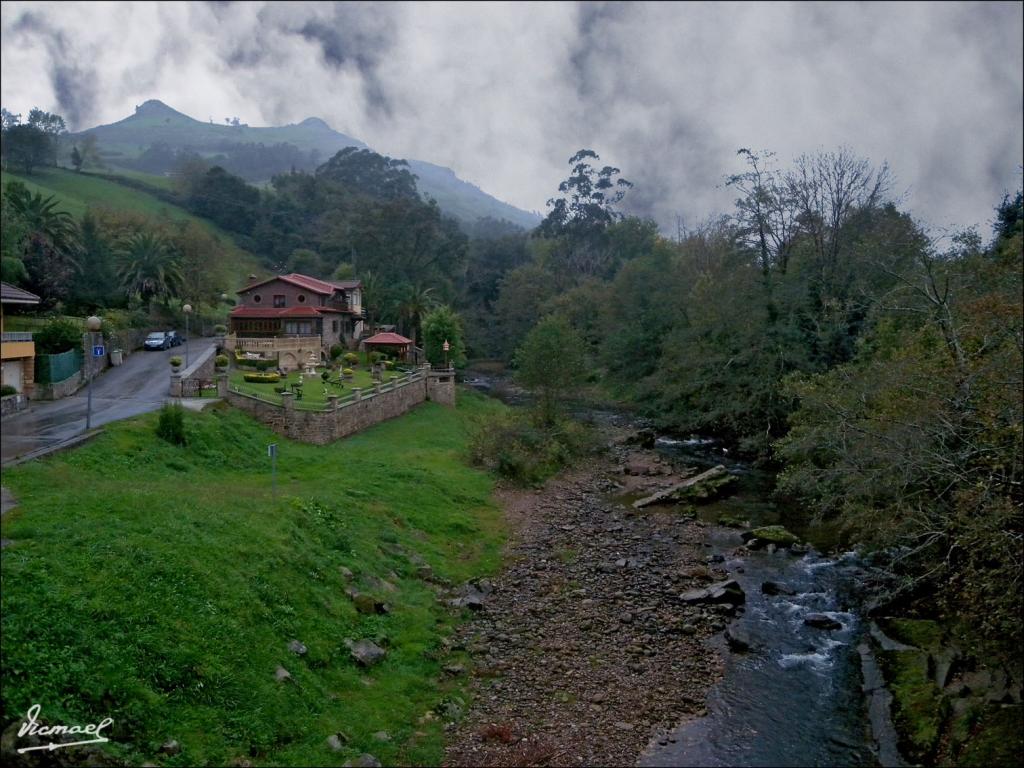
(310, 369)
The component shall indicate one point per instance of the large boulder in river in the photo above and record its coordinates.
(821, 621)
(770, 534)
(774, 588)
(643, 437)
(727, 592)
(738, 638)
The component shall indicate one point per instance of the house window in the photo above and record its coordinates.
(298, 327)
(334, 326)
(302, 298)
(256, 299)
(279, 300)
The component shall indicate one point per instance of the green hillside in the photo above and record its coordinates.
(155, 123)
(166, 595)
(77, 192)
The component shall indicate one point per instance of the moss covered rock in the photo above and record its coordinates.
(919, 708)
(706, 490)
(922, 633)
(774, 534)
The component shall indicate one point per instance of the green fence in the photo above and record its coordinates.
(52, 369)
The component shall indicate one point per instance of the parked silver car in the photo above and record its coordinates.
(157, 340)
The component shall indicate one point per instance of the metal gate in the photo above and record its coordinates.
(193, 387)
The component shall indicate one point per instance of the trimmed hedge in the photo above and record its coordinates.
(262, 378)
(255, 365)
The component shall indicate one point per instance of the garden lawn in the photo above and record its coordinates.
(314, 392)
(160, 586)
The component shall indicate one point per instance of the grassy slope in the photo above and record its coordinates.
(77, 192)
(160, 586)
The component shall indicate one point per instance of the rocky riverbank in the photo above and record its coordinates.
(582, 650)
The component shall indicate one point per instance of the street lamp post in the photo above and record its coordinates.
(446, 346)
(93, 324)
(187, 309)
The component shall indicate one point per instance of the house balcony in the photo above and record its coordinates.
(271, 344)
(16, 345)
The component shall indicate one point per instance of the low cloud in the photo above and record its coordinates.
(505, 93)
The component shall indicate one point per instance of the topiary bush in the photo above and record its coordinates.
(336, 351)
(171, 424)
(262, 378)
(220, 330)
(389, 365)
(347, 372)
(221, 361)
(175, 362)
(6, 390)
(351, 358)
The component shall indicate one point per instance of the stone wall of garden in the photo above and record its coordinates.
(202, 368)
(341, 419)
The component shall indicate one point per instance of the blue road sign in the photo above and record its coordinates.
(98, 351)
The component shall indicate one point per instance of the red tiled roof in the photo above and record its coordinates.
(270, 312)
(347, 285)
(387, 338)
(302, 281)
(313, 284)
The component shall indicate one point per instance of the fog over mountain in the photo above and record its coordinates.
(505, 93)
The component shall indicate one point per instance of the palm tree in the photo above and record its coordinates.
(372, 288)
(415, 302)
(48, 229)
(147, 267)
(48, 239)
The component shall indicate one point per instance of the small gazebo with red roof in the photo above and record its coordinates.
(393, 343)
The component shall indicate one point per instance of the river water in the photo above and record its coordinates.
(795, 698)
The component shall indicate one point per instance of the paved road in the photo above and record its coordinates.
(137, 386)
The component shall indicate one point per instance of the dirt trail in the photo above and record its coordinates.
(583, 652)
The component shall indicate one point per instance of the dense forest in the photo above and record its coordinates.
(816, 326)
(818, 329)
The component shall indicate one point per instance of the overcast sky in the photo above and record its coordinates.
(505, 93)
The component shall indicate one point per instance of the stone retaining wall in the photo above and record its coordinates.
(61, 389)
(11, 404)
(340, 420)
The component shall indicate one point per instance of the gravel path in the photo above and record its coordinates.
(583, 652)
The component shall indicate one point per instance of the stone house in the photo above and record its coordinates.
(291, 316)
(17, 349)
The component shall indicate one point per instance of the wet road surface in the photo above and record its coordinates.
(139, 385)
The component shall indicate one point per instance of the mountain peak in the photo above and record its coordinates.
(315, 122)
(155, 108)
